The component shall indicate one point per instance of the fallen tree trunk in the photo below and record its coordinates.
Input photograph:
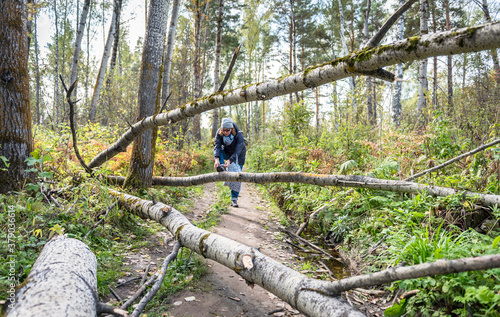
(262, 270)
(458, 158)
(62, 282)
(409, 272)
(320, 180)
(367, 61)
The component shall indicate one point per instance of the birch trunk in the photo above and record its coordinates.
(262, 270)
(422, 70)
(494, 55)
(78, 42)
(369, 97)
(104, 65)
(345, 51)
(355, 181)
(62, 282)
(367, 61)
(450, 61)
(396, 99)
(215, 114)
(143, 150)
(16, 139)
(169, 49)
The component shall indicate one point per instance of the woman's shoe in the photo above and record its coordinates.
(234, 203)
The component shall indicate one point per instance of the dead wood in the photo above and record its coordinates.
(354, 181)
(159, 280)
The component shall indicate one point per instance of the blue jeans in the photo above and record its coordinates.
(224, 156)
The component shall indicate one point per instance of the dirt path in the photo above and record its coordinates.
(222, 292)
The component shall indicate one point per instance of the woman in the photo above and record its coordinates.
(230, 148)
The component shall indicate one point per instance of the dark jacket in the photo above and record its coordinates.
(235, 149)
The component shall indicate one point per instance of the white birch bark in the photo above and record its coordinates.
(102, 68)
(142, 159)
(62, 282)
(264, 271)
(471, 39)
(78, 42)
(355, 181)
(352, 82)
(215, 114)
(170, 49)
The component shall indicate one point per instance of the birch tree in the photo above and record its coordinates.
(16, 141)
(169, 49)
(494, 55)
(143, 150)
(422, 70)
(364, 62)
(215, 114)
(104, 65)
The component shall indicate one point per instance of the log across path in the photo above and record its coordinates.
(353, 181)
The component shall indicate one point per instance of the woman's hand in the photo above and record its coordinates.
(217, 163)
(226, 164)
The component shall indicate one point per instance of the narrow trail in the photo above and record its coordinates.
(222, 292)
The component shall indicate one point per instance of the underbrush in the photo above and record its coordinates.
(382, 229)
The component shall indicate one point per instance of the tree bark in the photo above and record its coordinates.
(494, 55)
(78, 42)
(355, 181)
(143, 150)
(62, 282)
(396, 99)
(38, 112)
(169, 49)
(410, 272)
(463, 40)
(15, 117)
(369, 97)
(264, 271)
(104, 66)
(215, 114)
(450, 62)
(422, 70)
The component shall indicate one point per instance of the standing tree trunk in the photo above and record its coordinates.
(62, 282)
(434, 62)
(169, 49)
(396, 99)
(78, 45)
(112, 63)
(198, 18)
(422, 71)
(494, 55)
(104, 65)
(215, 114)
(450, 62)
(57, 114)
(15, 116)
(143, 151)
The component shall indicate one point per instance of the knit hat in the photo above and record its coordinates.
(227, 123)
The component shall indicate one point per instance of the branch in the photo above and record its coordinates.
(375, 40)
(108, 309)
(72, 123)
(101, 220)
(354, 181)
(479, 149)
(409, 272)
(229, 69)
(459, 41)
(152, 292)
